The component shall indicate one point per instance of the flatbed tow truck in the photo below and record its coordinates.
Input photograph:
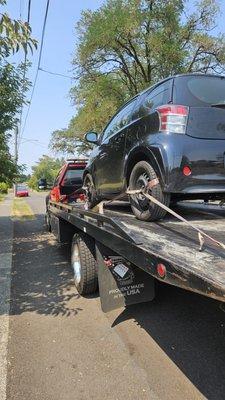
(125, 257)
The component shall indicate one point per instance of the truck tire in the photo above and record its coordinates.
(84, 264)
(47, 221)
(90, 191)
(142, 208)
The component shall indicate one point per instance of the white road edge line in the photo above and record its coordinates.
(4, 326)
(5, 285)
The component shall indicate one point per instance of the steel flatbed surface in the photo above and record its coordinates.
(169, 242)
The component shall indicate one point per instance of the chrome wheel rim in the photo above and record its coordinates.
(76, 264)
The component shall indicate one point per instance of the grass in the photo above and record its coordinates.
(2, 196)
(21, 211)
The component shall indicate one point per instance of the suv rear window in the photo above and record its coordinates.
(199, 91)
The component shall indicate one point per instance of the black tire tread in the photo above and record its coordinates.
(89, 281)
(156, 211)
(47, 222)
(92, 201)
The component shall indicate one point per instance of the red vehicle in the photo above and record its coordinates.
(21, 191)
(68, 181)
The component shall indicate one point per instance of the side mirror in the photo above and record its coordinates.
(91, 137)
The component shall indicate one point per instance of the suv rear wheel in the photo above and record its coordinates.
(144, 209)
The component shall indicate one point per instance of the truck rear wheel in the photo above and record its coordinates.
(47, 221)
(84, 264)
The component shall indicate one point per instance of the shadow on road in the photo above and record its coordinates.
(42, 280)
(190, 330)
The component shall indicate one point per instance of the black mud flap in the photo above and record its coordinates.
(120, 282)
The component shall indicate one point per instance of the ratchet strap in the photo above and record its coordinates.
(201, 234)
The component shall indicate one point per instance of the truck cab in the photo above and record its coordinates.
(68, 181)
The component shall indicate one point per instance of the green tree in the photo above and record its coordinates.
(11, 95)
(131, 44)
(23, 177)
(11, 100)
(14, 34)
(143, 41)
(47, 168)
(103, 95)
(13, 86)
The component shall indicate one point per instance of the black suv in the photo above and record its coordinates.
(173, 132)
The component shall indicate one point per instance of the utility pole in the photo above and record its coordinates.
(16, 144)
(16, 153)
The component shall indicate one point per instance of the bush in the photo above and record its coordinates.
(33, 182)
(3, 187)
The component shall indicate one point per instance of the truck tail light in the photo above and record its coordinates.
(186, 170)
(173, 118)
(161, 270)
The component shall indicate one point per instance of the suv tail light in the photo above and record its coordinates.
(173, 118)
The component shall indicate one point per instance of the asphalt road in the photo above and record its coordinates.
(62, 347)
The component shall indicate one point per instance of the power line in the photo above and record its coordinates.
(28, 14)
(16, 145)
(38, 66)
(55, 73)
(21, 6)
(24, 71)
(35, 142)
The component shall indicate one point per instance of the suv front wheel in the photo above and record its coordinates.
(88, 184)
(144, 209)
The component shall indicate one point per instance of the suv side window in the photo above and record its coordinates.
(121, 119)
(155, 98)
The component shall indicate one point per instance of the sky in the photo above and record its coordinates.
(51, 107)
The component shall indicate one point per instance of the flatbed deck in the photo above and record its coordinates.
(170, 242)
